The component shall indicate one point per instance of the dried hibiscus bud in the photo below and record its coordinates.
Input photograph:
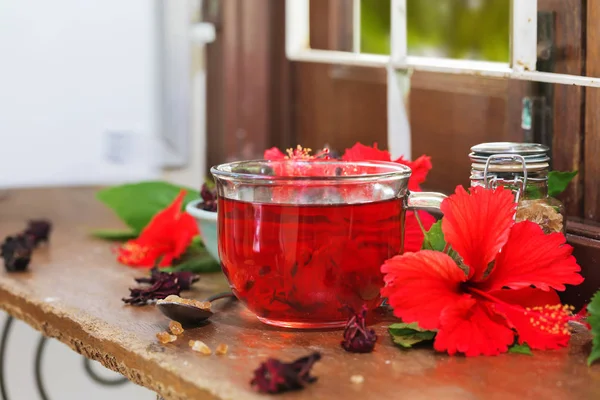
(175, 328)
(16, 252)
(357, 338)
(165, 337)
(274, 376)
(39, 230)
(184, 278)
(163, 284)
(163, 287)
(209, 198)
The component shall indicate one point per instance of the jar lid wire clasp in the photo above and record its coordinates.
(492, 183)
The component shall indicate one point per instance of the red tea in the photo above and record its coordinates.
(307, 265)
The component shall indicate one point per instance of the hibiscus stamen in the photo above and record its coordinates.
(303, 154)
(552, 319)
(299, 153)
(132, 253)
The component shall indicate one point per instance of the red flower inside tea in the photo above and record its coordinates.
(304, 265)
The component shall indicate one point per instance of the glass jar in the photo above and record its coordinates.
(523, 168)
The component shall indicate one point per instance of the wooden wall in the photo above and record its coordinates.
(258, 99)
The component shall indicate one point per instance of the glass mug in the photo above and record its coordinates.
(302, 242)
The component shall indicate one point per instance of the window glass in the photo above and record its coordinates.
(459, 29)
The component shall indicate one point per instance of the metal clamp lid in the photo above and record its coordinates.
(517, 180)
(523, 149)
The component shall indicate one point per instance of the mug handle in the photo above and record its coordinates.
(424, 200)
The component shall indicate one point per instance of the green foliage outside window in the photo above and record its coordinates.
(461, 29)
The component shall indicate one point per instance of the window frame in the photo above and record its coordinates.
(523, 47)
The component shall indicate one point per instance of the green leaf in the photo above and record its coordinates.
(520, 349)
(114, 234)
(196, 247)
(199, 265)
(407, 335)
(558, 181)
(210, 183)
(594, 320)
(434, 238)
(136, 203)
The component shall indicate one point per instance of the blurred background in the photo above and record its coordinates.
(101, 92)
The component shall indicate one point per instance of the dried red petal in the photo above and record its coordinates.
(39, 230)
(163, 284)
(357, 338)
(209, 198)
(184, 278)
(274, 376)
(16, 252)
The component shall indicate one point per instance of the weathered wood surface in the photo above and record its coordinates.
(73, 293)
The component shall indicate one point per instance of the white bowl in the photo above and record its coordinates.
(207, 225)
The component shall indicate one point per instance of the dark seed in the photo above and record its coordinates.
(294, 269)
(264, 270)
(249, 284)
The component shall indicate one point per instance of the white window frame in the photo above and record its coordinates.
(523, 57)
(523, 47)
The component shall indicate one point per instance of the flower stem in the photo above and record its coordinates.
(423, 229)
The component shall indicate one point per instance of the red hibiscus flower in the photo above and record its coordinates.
(273, 154)
(413, 235)
(360, 152)
(501, 286)
(420, 167)
(297, 154)
(167, 235)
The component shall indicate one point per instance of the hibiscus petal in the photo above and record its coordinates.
(413, 235)
(273, 154)
(471, 327)
(542, 328)
(420, 285)
(420, 168)
(531, 257)
(167, 235)
(477, 225)
(186, 230)
(160, 227)
(360, 152)
(133, 254)
(527, 297)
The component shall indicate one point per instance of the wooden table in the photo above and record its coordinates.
(73, 293)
